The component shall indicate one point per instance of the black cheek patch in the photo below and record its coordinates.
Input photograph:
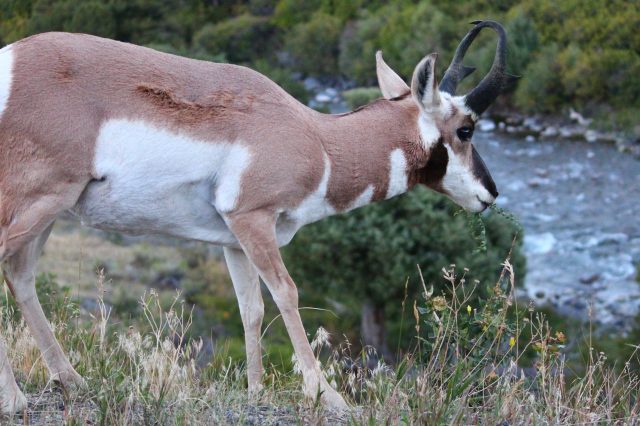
(436, 166)
(480, 171)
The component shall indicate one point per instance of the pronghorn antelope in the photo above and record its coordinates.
(142, 142)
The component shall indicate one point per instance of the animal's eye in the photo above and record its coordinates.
(465, 133)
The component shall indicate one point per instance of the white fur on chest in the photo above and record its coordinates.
(158, 181)
(316, 206)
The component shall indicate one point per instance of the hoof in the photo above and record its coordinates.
(12, 404)
(255, 391)
(332, 400)
(70, 380)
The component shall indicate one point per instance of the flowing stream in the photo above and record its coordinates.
(579, 204)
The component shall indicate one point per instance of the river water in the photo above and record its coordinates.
(579, 204)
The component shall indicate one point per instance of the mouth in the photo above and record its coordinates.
(484, 204)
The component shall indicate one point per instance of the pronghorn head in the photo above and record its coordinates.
(446, 121)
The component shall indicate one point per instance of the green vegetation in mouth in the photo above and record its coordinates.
(476, 225)
(508, 216)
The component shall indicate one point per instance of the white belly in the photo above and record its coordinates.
(154, 181)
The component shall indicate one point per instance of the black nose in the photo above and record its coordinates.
(488, 183)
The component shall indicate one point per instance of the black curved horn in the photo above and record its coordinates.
(456, 71)
(497, 80)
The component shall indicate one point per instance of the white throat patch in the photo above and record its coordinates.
(397, 173)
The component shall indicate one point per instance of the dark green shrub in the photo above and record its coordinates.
(414, 31)
(49, 15)
(289, 13)
(241, 39)
(313, 45)
(358, 45)
(93, 18)
(405, 33)
(588, 23)
(541, 89)
(366, 256)
(523, 39)
(609, 76)
(360, 96)
(283, 78)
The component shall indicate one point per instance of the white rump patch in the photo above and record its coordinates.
(158, 181)
(397, 173)
(6, 76)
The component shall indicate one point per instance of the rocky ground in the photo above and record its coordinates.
(50, 407)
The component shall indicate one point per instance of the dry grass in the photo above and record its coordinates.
(466, 369)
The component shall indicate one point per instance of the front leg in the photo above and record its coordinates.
(247, 287)
(256, 233)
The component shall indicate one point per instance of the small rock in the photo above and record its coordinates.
(323, 98)
(539, 243)
(589, 278)
(542, 172)
(311, 83)
(537, 182)
(549, 132)
(591, 136)
(515, 185)
(540, 294)
(501, 125)
(529, 121)
(567, 132)
(514, 120)
(590, 154)
(331, 92)
(577, 117)
(578, 305)
(530, 138)
(511, 129)
(532, 124)
(486, 125)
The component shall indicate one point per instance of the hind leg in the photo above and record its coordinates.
(19, 271)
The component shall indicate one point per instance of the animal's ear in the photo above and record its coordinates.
(390, 83)
(424, 87)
